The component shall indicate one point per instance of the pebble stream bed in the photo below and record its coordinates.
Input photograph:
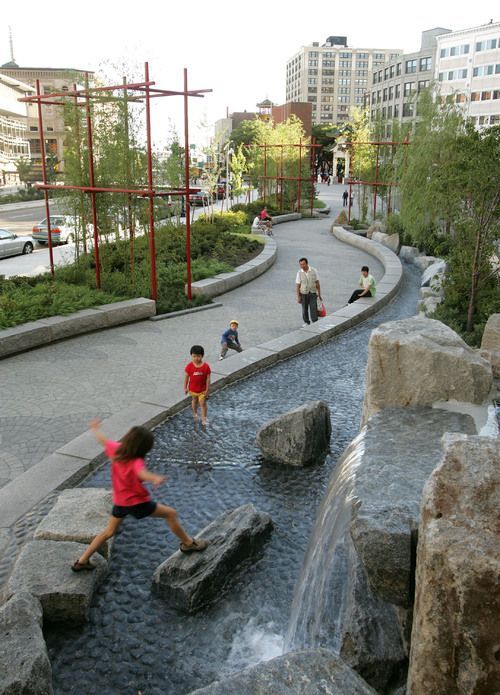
(133, 642)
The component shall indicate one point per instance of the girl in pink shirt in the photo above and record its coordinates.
(128, 472)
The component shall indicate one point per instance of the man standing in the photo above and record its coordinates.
(308, 291)
(345, 196)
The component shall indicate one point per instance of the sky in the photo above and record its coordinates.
(237, 49)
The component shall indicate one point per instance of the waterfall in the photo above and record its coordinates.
(314, 604)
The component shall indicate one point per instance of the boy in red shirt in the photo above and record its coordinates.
(197, 382)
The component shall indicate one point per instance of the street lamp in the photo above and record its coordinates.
(229, 152)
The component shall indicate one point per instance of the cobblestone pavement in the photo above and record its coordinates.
(49, 394)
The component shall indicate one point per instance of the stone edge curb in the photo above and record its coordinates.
(225, 282)
(183, 312)
(67, 466)
(48, 330)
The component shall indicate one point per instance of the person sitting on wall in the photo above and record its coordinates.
(366, 284)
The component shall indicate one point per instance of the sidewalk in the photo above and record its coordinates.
(51, 393)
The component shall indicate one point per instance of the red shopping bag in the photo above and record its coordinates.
(321, 309)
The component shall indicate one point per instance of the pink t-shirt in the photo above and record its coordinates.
(127, 487)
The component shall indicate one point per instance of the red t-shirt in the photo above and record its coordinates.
(197, 376)
(127, 487)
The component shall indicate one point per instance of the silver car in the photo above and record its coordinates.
(13, 245)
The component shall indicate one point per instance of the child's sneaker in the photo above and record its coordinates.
(195, 546)
(221, 357)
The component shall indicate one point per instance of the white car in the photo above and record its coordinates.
(63, 230)
(13, 245)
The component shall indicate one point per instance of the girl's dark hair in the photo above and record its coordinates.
(365, 269)
(197, 350)
(134, 445)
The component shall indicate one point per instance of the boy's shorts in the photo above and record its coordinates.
(200, 396)
(138, 511)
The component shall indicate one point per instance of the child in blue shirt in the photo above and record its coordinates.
(230, 340)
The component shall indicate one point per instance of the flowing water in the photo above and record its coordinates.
(133, 641)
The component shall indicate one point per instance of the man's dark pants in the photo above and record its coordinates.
(356, 295)
(309, 304)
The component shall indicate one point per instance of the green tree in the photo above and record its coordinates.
(23, 168)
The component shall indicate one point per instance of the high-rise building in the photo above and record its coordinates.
(467, 71)
(333, 77)
(395, 87)
(51, 80)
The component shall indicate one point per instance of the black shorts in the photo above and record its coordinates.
(138, 511)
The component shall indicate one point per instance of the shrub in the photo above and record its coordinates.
(341, 218)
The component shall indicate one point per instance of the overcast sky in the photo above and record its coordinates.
(238, 49)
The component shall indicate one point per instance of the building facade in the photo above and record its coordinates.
(14, 143)
(467, 71)
(51, 80)
(333, 77)
(395, 87)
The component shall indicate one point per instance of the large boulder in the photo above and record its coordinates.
(190, 581)
(308, 672)
(24, 662)
(428, 305)
(409, 253)
(490, 343)
(390, 241)
(419, 361)
(456, 627)
(423, 262)
(43, 569)
(376, 227)
(78, 515)
(299, 437)
(401, 447)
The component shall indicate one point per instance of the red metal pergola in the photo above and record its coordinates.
(279, 178)
(376, 182)
(141, 92)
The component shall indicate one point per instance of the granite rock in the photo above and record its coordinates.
(307, 672)
(24, 662)
(191, 581)
(419, 361)
(299, 437)
(43, 569)
(78, 515)
(456, 627)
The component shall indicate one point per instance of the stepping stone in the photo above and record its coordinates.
(24, 662)
(188, 581)
(78, 515)
(43, 569)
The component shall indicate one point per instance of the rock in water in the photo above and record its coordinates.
(299, 437)
(78, 515)
(308, 672)
(190, 581)
(456, 625)
(43, 569)
(24, 662)
(419, 361)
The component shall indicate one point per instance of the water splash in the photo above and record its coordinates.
(313, 597)
(253, 644)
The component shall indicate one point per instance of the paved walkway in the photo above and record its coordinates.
(48, 395)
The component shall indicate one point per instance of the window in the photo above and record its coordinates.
(386, 74)
(410, 66)
(345, 64)
(362, 55)
(496, 94)
(384, 112)
(313, 54)
(50, 129)
(361, 63)
(379, 56)
(313, 63)
(389, 112)
(487, 45)
(344, 81)
(391, 93)
(328, 72)
(379, 96)
(33, 127)
(454, 51)
(313, 71)
(344, 73)
(494, 119)
(345, 55)
(409, 89)
(343, 100)
(475, 96)
(485, 96)
(460, 98)
(328, 63)
(312, 81)
(391, 71)
(398, 69)
(384, 94)
(408, 110)
(344, 90)
(396, 110)
(485, 70)
(422, 84)
(425, 64)
(312, 90)
(397, 91)
(362, 73)
(374, 78)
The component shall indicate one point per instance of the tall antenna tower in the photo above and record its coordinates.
(11, 43)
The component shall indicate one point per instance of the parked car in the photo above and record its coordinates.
(200, 198)
(62, 228)
(13, 245)
(220, 190)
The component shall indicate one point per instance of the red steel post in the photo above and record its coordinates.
(188, 207)
(44, 177)
(92, 183)
(265, 171)
(152, 251)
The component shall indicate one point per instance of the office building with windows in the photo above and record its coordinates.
(51, 80)
(14, 143)
(395, 87)
(333, 77)
(467, 71)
